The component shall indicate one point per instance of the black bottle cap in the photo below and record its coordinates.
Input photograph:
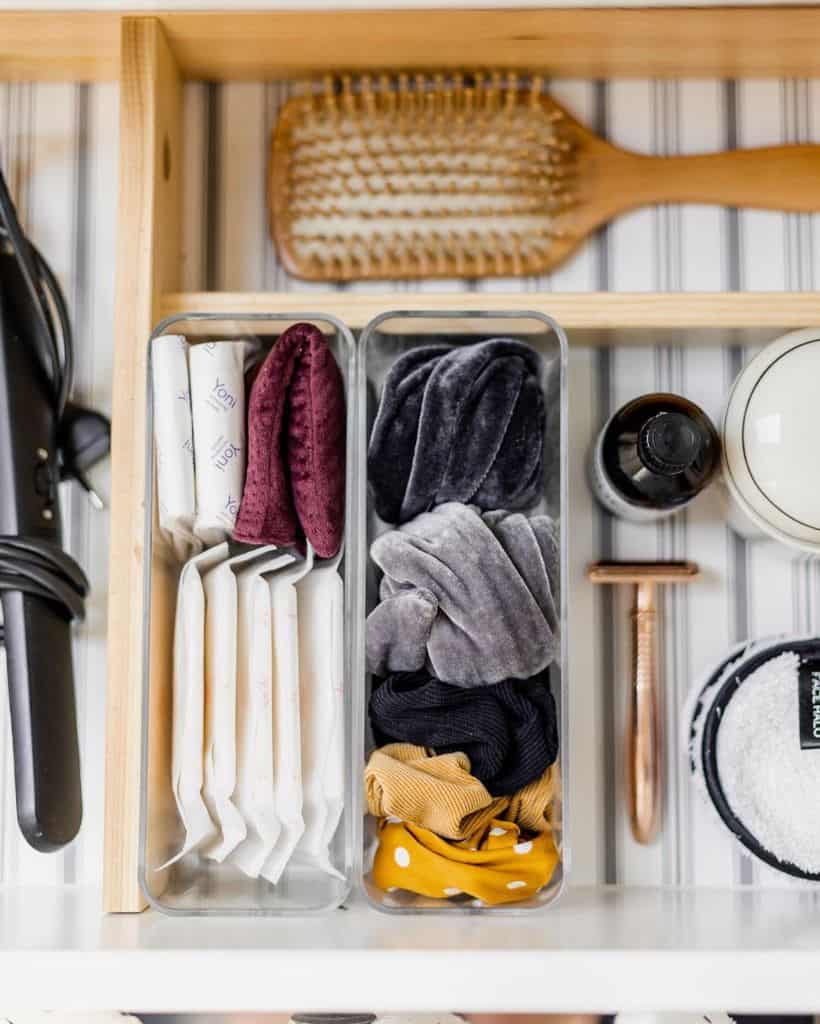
(669, 443)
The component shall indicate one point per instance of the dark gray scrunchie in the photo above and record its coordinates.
(471, 598)
(459, 424)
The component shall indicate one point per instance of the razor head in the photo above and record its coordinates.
(643, 572)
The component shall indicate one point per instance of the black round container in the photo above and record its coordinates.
(707, 751)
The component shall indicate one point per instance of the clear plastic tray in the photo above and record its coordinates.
(385, 339)
(196, 885)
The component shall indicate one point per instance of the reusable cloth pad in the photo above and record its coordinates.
(503, 869)
(320, 605)
(469, 598)
(287, 743)
(509, 730)
(438, 793)
(253, 794)
(174, 440)
(459, 424)
(221, 624)
(295, 485)
(188, 711)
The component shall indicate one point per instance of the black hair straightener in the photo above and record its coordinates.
(43, 439)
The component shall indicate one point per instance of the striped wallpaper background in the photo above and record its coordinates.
(58, 147)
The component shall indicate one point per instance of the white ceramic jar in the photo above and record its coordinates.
(771, 443)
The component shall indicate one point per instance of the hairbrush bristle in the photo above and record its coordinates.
(416, 175)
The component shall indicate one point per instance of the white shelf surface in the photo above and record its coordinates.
(635, 949)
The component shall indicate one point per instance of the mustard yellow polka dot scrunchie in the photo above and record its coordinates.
(504, 869)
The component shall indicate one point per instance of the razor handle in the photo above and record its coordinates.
(36, 622)
(643, 757)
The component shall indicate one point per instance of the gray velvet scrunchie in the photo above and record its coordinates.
(470, 597)
(459, 424)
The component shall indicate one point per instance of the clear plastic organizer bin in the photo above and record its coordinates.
(195, 884)
(386, 338)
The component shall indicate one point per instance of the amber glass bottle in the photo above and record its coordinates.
(653, 457)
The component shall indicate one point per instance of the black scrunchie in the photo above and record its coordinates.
(508, 730)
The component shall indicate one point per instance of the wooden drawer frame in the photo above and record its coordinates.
(153, 54)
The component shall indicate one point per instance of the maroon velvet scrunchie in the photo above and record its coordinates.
(295, 481)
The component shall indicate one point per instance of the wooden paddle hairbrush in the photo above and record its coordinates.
(477, 175)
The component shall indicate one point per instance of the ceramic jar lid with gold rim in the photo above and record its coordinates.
(771, 440)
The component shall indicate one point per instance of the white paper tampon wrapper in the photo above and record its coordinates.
(218, 411)
(174, 443)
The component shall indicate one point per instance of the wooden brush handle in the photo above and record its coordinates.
(643, 726)
(771, 178)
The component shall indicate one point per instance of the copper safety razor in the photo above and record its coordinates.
(643, 732)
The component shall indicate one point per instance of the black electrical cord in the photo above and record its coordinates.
(37, 567)
(29, 564)
(54, 349)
